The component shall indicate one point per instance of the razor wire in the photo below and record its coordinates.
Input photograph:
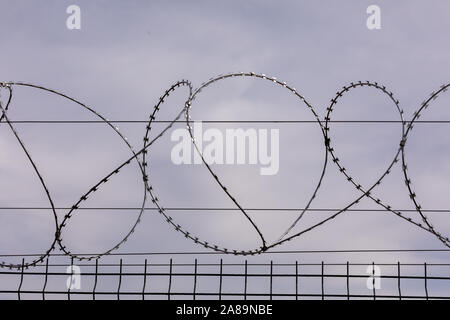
(149, 188)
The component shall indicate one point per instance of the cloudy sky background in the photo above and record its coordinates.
(128, 53)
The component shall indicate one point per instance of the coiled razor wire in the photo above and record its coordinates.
(329, 150)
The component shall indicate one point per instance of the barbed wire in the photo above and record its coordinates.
(149, 189)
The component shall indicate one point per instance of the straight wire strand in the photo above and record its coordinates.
(234, 294)
(115, 209)
(226, 264)
(220, 253)
(225, 121)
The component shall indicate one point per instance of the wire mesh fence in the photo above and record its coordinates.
(61, 278)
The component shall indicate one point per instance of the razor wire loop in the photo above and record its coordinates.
(85, 196)
(335, 159)
(63, 224)
(325, 129)
(116, 171)
(217, 179)
(408, 180)
(402, 143)
(40, 258)
(367, 193)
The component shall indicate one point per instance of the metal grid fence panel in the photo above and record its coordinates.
(59, 278)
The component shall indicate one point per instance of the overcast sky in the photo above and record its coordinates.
(128, 53)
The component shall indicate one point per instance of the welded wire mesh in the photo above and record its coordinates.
(59, 278)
